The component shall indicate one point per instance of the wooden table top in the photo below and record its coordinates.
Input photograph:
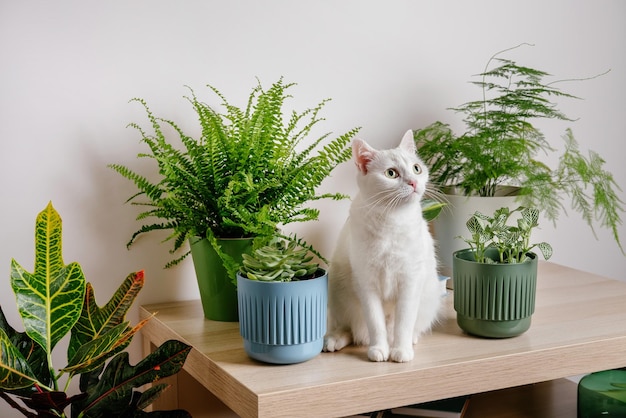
(579, 326)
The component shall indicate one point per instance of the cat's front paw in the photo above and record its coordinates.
(335, 342)
(378, 353)
(401, 354)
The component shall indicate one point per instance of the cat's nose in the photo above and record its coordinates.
(413, 184)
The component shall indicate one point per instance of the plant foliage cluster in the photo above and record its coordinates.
(279, 261)
(249, 172)
(501, 146)
(55, 301)
(512, 242)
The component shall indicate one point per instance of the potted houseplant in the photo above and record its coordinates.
(249, 172)
(55, 301)
(495, 278)
(496, 160)
(282, 303)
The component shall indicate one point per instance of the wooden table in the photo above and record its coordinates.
(579, 326)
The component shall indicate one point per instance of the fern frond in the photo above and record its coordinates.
(243, 176)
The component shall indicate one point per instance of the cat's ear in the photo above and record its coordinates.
(362, 154)
(408, 142)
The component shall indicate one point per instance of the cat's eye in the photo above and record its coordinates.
(417, 169)
(392, 173)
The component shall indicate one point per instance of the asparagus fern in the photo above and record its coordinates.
(501, 146)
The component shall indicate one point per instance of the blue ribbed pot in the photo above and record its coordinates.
(493, 300)
(283, 322)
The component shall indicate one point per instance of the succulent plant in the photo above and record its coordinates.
(279, 261)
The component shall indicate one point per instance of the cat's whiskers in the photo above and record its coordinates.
(376, 199)
(433, 191)
(389, 202)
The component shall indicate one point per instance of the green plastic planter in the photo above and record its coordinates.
(283, 322)
(218, 293)
(602, 394)
(493, 300)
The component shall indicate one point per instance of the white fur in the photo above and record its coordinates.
(383, 285)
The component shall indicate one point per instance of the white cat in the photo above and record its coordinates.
(383, 284)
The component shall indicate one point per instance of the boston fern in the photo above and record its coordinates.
(55, 301)
(249, 171)
(501, 147)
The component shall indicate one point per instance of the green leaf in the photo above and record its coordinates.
(248, 171)
(546, 249)
(15, 373)
(113, 392)
(431, 209)
(95, 321)
(91, 355)
(50, 299)
(474, 226)
(32, 352)
(531, 215)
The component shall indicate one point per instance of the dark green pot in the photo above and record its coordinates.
(602, 394)
(493, 300)
(218, 293)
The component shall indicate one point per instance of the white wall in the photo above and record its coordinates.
(68, 69)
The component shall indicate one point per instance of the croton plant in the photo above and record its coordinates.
(55, 300)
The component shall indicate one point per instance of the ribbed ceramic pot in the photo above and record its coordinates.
(493, 300)
(283, 322)
(217, 290)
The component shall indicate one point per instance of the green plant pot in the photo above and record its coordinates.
(602, 394)
(283, 322)
(450, 223)
(218, 293)
(493, 300)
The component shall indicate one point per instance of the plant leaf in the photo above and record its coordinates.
(50, 299)
(95, 321)
(32, 352)
(15, 373)
(50, 404)
(151, 394)
(546, 249)
(431, 209)
(93, 353)
(112, 394)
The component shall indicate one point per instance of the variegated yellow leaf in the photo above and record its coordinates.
(50, 299)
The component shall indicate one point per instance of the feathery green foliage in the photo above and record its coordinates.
(501, 147)
(511, 241)
(249, 172)
(55, 300)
